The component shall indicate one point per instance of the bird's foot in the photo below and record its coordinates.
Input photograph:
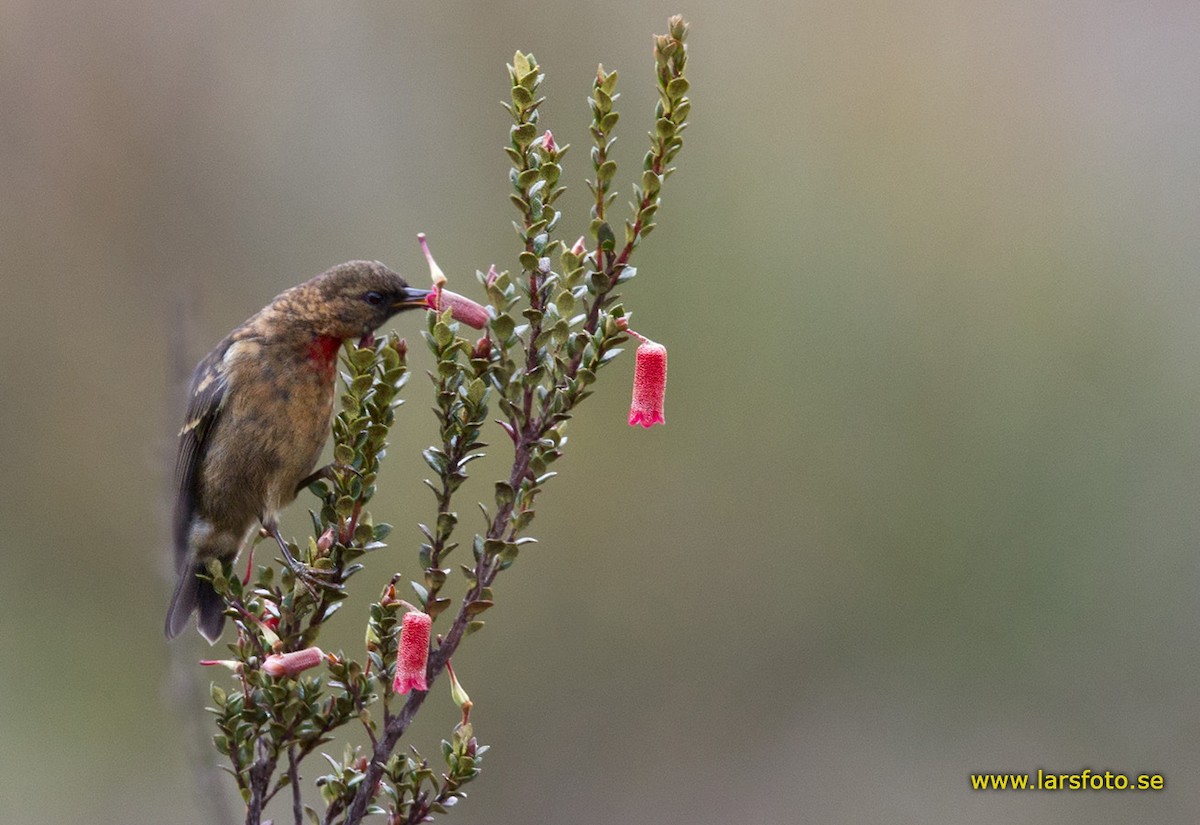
(311, 577)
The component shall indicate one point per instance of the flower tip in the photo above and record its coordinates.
(646, 419)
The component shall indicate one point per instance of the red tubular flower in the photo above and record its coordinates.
(649, 384)
(290, 664)
(413, 654)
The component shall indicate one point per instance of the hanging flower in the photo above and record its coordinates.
(413, 653)
(649, 383)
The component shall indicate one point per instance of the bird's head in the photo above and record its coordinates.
(353, 298)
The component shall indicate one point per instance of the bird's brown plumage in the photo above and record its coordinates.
(258, 416)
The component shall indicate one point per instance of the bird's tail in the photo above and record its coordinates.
(195, 595)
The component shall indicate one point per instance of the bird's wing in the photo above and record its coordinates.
(206, 398)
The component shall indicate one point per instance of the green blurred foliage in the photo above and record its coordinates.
(925, 502)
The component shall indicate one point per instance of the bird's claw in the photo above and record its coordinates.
(310, 577)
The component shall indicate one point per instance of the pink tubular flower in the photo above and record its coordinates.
(461, 307)
(649, 384)
(290, 664)
(413, 654)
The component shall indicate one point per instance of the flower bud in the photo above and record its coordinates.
(435, 271)
(548, 143)
(412, 654)
(325, 541)
(578, 249)
(232, 664)
(291, 664)
(457, 693)
(649, 385)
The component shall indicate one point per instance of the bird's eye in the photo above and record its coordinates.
(373, 298)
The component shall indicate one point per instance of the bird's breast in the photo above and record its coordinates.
(322, 354)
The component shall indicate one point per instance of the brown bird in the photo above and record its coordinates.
(259, 413)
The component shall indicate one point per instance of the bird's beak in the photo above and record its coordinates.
(412, 297)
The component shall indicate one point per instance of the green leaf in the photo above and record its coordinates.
(422, 593)
(442, 334)
(651, 183)
(503, 325)
(505, 495)
(609, 82)
(605, 237)
(524, 134)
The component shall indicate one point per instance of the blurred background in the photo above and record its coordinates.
(926, 502)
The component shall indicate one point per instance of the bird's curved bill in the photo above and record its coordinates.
(413, 297)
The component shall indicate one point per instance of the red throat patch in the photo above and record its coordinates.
(322, 352)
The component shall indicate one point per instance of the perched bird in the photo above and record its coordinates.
(259, 413)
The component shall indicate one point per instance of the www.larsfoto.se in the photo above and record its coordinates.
(1085, 780)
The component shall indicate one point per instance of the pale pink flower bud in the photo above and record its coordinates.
(232, 664)
(435, 271)
(492, 275)
(578, 249)
(548, 142)
(413, 653)
(462, 308)
(325, 541)
(457, 693)
(291, 664)
(649, 385)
